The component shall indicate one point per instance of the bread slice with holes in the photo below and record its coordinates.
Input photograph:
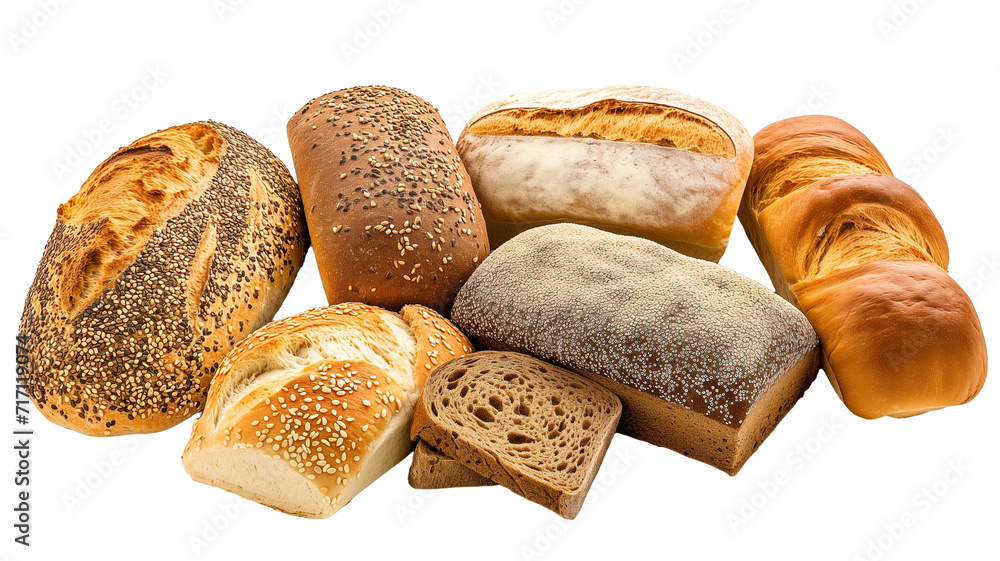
(430, 469)
(311, 409)
(537, 429)
(175, 248)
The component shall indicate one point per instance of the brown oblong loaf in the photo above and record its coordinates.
(635, 160)
(862, 254)
(535, 428)
(310, 409)
(705, 361)
(391, 211)
(174, 249)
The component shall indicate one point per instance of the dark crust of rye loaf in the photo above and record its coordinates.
(391, 210)
(535, 428)
(685, 331)
(138, 354)
(431, 469)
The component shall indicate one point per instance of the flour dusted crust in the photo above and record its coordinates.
(675, 336)
(644, 161)
(175, 248)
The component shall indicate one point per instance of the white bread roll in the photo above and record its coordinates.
(648, 162)
(310, 409)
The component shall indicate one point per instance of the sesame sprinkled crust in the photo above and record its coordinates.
(535, 428)
(683, 330)
(392, 213)
(677, 164)
(175, 248)
(310, 409)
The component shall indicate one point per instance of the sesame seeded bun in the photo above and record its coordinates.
(391, 210)
(705, 361)
(643, 161)
(862, 254)
(174, 249)
(310, 409)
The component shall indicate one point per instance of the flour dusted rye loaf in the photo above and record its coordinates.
(535, 428)
(174, 249)
(392, 214)
(862, 254)
(705, 361)
(310, 409)
(644, 161)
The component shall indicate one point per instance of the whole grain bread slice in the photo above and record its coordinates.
(535, 428)
(433, 470)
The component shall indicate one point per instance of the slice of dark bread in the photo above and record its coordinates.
(535, 428)
(433, 470)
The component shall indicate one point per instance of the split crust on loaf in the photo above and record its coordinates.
(684, 331)
(174, 249)
(861, 253)
(623, 159)
(535, 428)
(310, 409)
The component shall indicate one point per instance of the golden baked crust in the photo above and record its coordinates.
(392, 213)
(861, 253)
(642, 161)
(901, 337)
(310, 409)
(175, 248)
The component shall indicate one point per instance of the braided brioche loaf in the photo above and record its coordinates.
(862, 255)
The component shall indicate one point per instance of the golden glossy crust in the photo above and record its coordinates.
(795, 152)
(438, 341)
(326, 396)
(843, 221)
(176, 247)
(861, 253)
(901, 337)
(392, 213)
(677, 165)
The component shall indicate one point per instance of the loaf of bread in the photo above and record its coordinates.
(391, 211)
(863, 256)
(644, 161)
(174, 249)
(431, 469)
(537, 429)
(310, 409)
(705, 361)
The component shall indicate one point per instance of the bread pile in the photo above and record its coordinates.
(600, 306)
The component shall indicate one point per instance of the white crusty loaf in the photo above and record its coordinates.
(310, 409)
(705, 361)
(174, 249)
(644, 161)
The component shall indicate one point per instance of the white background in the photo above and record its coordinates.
(920, 79)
